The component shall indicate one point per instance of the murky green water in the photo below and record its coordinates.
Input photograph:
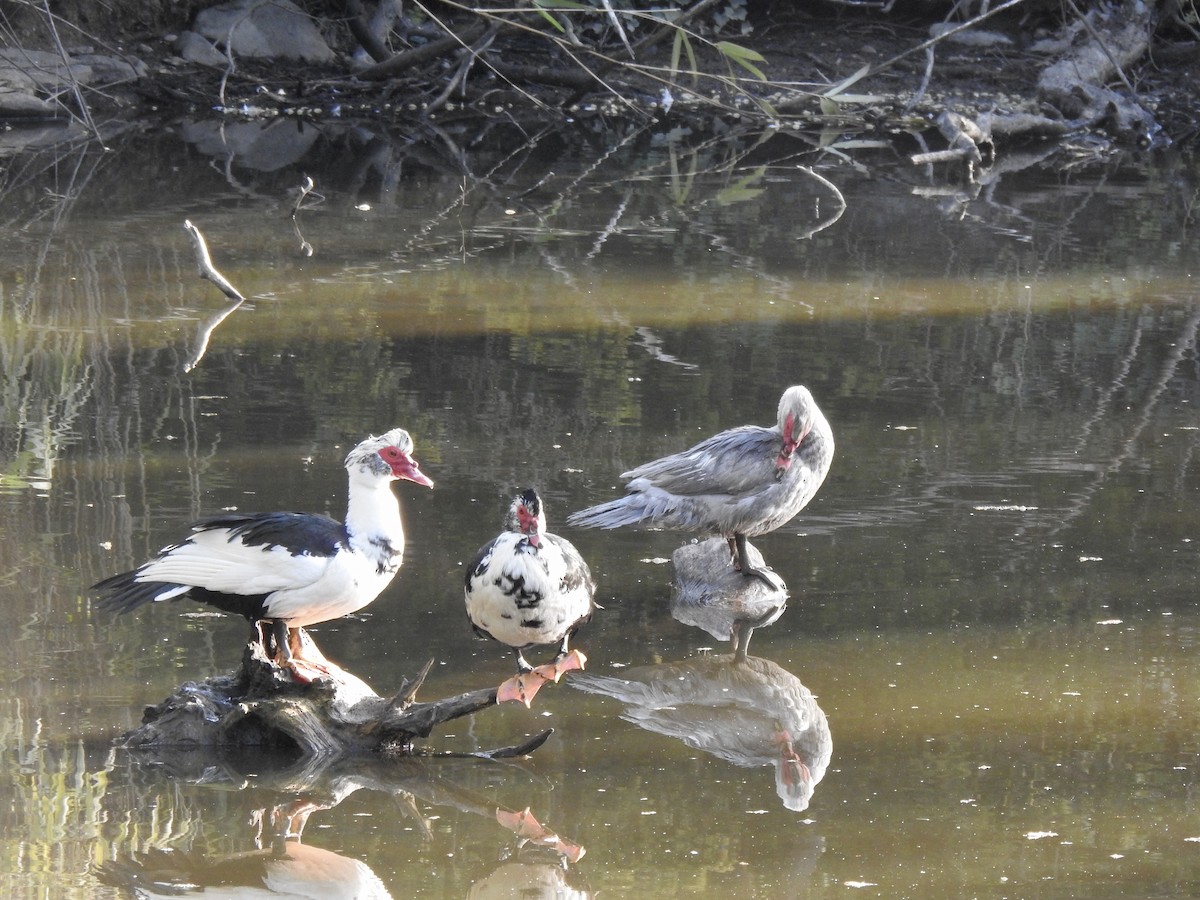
(993, 595)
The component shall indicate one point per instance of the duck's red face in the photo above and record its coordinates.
(790, 442)
(404, 466)
(529, 523)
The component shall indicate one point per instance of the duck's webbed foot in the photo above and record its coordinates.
(523, 686)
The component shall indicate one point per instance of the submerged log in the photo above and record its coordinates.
(261, 706)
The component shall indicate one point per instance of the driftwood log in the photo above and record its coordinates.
(261, 707)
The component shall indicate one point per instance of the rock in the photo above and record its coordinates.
(257, 146)
(29, 78)
(45, 70)
(264, 29)
(198, 49)
(970, 37)
(711, 595)
(18, 100)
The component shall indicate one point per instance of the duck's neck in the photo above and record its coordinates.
(373, 522)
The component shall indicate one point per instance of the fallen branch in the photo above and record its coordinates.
(204, 263)
(262, 707)
(209, 272)
(418, 56)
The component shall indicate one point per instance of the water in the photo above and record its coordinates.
(993, 595)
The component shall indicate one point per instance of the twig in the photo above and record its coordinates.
(408, 690)
(460, 76)
(85, 112)
(423, 54)
(522, 749)
(670, 28)
(306, 188)
(924, 85)
(1087, 25)
(356, 19)
(971, 23)
(208, 271)
(204, 263)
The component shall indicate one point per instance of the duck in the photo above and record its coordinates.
(740, 483)
(287, 570)
(527, 587)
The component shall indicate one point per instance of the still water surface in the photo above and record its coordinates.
(988, 660)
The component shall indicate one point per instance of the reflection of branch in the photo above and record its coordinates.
(306, 188)
(208, 271)
(821, 226)
(204, 332)
(1180, 350)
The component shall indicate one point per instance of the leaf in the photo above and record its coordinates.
(860, 98)
(741, 190)
(553, 21)
(681, 43)
(743, 56)
(767, 108)
(829, 107)
(853, 79)
(737, 51)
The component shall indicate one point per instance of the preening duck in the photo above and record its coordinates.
(527, 587)
(737, 484)
(283, 568)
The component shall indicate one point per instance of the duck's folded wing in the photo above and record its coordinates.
(235, 559)
(733, 462)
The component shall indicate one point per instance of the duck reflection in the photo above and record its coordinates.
(285, 868)
(527, 881)
(280, 864)
(740, 708)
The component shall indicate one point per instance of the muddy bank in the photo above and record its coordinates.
(1109, 81)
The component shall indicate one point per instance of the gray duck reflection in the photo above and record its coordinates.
(740, 708)
(527, 881)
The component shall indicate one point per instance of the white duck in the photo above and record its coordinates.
(289, 569)
(527, 587)
(737, 484)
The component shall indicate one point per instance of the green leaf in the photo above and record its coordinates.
(553, 21)
(742, 189)
(682, 44)
(743, 56)
(691, 54)
(767, 108)
(737, 51)
(843, 85)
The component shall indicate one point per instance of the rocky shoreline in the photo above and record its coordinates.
(250, 59)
